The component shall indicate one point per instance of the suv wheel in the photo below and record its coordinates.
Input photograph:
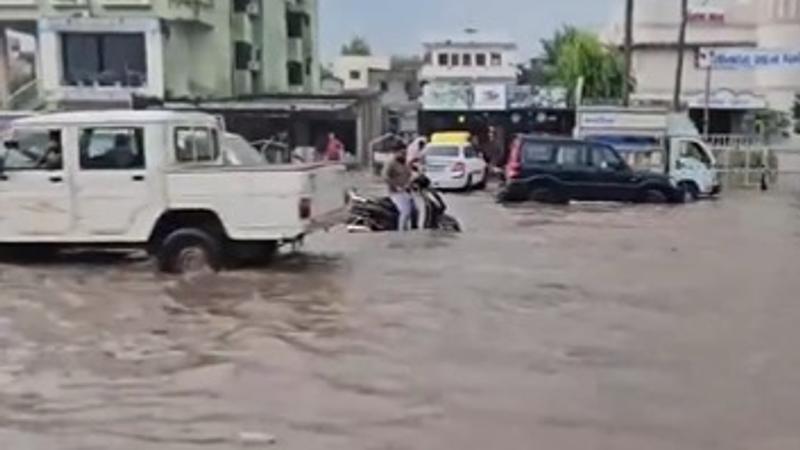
(653, 195)
(546, 194)
(190, 251)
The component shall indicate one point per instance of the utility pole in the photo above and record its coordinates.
(676, 98)
(626, 80)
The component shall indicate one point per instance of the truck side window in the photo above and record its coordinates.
(112, 148)
(196, 145)
(33, 149)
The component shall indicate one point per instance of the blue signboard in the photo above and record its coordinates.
(749, 59)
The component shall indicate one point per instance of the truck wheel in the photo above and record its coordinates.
(690, 192)
(189, 250)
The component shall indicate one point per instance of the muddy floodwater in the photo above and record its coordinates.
(581, 327)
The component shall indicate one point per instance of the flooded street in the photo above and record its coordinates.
(582, 327)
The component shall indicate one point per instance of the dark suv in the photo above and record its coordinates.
(555, 170)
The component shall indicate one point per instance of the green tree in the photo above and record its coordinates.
(358, 46)
(572, 54)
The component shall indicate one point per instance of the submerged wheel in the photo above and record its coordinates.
(190, 251)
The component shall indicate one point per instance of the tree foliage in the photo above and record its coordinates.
(572, 54)
(358, 46)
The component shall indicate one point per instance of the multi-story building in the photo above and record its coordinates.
(354, 70)
(105, 51)
(735, 95)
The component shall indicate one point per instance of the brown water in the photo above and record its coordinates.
(585, 327)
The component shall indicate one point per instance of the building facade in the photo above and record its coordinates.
(104, 51)
(354, 70)
(735, 96)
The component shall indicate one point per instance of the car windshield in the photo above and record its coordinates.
(443, 152)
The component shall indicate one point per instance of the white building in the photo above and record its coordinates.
(766, 24)
(468, 71)
(354, 70)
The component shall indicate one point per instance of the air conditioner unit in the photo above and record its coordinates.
(126, 2)
(253, 8)
(254, 65)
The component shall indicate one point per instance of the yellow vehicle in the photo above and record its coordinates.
(451, 137)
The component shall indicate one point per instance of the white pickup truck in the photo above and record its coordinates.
(158, 180)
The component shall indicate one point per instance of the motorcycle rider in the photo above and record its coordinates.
(398, 177)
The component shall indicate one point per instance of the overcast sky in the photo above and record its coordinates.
(398, 26)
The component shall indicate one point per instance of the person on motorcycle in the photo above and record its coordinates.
(398, 177)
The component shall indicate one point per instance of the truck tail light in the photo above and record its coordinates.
(514, 166)
(304, 208)
(459, 170)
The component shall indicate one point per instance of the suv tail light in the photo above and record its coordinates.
(304, 208)
(514, 165)
(459, 170)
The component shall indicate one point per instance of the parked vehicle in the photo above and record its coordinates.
(656, 140)
(380, 214)
(155, 180)
(451, 162)
(559, 170)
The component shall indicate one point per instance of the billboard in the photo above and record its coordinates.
(743, 58)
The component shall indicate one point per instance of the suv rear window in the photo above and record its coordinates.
(443, 152)
(539, 152)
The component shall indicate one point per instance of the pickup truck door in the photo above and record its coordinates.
(35, 200)
(112, 189)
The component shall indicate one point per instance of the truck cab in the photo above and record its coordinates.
(657, 140)
(152, 179)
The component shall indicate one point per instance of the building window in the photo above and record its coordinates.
(443, 60)
(455, 59)
(466, 59)
(112, 149)
(295, 73)
(294, 25)
(309, 66)
(355, 74)
(243, 53)
(428, 58)
(497, 59)
(240, 6)
(107, 59)
(384, 86)
(480, 60)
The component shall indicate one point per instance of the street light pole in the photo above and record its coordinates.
(676, 96)
(626, 80)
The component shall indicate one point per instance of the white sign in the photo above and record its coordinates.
(489, 97)
(748, 59)
(727, 99)
(610, 120)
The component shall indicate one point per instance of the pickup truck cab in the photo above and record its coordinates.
(558, 170)
(157, 180)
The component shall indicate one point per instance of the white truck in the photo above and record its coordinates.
(654, 139)
(158, 180)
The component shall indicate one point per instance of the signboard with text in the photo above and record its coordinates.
(748, 59)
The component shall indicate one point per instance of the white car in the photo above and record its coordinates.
(455, 166)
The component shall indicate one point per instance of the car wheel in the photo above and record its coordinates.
(653, 195)
(546, 194)
(190, 251)
(690, 192)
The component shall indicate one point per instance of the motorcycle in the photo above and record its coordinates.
(369, 214)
